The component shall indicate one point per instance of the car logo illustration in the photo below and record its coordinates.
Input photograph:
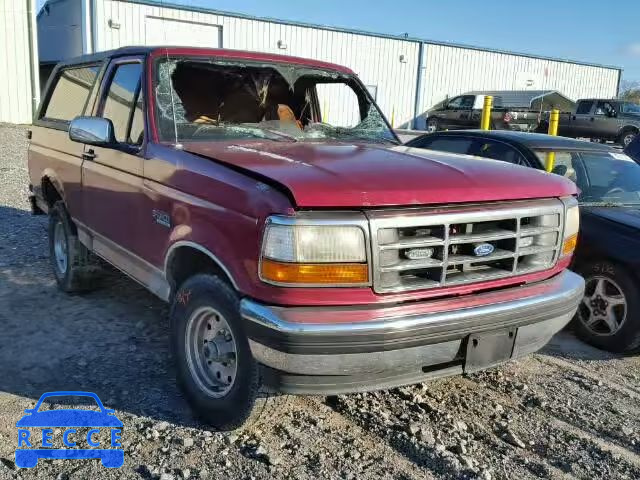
(483, 249)
(68, 419)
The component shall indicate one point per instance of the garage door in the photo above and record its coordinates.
(166, 31)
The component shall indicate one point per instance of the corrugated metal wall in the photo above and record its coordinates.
(446, 70)
(451, 71)
(60, 30)
(376, 60)
(16, 66)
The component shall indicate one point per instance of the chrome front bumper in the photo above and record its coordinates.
(341, 349)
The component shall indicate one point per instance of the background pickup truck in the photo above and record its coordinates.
(512, 110)
(599, 119)
(302, 251)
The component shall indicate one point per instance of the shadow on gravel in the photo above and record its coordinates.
(566, 345)
(112, 341)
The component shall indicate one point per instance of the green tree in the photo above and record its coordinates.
(631, 95)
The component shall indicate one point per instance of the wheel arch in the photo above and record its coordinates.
(186, 258)
(52, 188)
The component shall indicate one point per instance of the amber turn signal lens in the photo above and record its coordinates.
(314, 273)
(569, 245)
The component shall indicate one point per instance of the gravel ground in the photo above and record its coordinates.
(569, 411)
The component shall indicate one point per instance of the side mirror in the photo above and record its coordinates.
(612, 113)
(92, 131)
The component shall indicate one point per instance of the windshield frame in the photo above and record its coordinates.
(205, 57)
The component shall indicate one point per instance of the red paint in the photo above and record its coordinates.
(244, 55)
(364, 175)
(350, 315)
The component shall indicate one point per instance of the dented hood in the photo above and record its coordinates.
(355, 175)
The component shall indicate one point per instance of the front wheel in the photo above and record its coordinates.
(215, 367)
(609, 315)
(433, 125)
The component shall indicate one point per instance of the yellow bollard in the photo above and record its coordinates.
(485, 122)
(554, 121)
(325, 112)
(393, 117)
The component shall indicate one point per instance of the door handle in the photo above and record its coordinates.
(89, 155)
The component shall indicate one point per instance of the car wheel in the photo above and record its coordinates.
(433, 125)
(73, 266)
(215, 367)
(609, 315)
(626, 137)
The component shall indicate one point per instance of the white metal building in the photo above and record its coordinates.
(19, 85)
(406, 75)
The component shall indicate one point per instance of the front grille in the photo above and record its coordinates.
(430, 248)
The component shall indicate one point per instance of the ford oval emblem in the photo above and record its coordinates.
(483, 249)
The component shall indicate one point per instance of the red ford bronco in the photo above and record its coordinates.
(302, 248)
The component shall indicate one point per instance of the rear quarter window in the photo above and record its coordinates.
(70, 93)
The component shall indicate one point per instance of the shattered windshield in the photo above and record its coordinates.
(225, 100)
(607, 178)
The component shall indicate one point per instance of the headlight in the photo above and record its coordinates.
(571, 226)
(313, 255)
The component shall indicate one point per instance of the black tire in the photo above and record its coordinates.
(626, 339)
(82, 271)
(433, 124)
(627, 136)
(245, 402)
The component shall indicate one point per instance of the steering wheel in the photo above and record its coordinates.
(614, 190)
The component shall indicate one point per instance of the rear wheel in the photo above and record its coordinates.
(609, 315)
(73, 265)
(215, 367)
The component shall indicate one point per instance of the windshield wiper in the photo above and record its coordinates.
(278, 133)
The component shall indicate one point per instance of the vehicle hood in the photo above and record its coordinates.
(69, 418)
(629, 216)
(356, 175)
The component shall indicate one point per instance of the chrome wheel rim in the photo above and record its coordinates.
(432, 126)
(627, 140)
(603, 310)
(211, 352)
(60, 249)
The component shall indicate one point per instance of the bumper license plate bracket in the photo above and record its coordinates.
(489, 349)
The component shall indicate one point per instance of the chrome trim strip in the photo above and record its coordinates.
(569, 292)
(143, 272)
(197, 246)
(355, 363)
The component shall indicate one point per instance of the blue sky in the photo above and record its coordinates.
(589, 30)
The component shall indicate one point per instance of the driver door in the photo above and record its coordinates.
(451, 114)
(112, 176)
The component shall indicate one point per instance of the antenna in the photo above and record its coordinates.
(173, 102)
